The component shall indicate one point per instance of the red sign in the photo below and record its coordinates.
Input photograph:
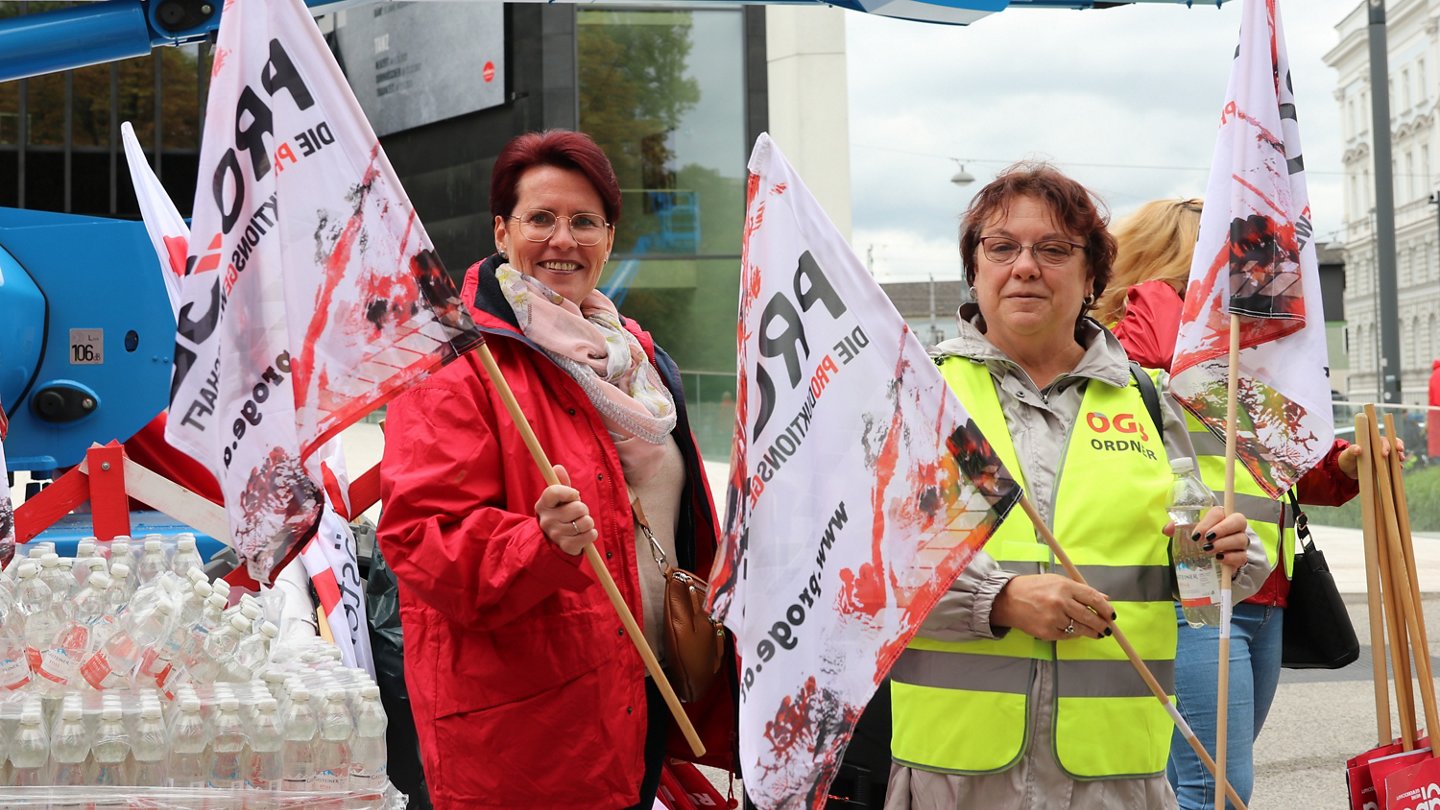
(489, 72)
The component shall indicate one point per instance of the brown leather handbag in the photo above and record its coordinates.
(694, 642)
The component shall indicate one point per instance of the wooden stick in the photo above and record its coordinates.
(652, 665)
(1368, 522)
(1421, 649)
(1391, 593)
(1135, 660)
(1222, 691)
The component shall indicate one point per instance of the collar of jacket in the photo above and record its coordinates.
(493, 315)
(1104, 359)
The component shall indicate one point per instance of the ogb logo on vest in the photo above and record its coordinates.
(1114, 434)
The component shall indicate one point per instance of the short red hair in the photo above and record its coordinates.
(561, 148)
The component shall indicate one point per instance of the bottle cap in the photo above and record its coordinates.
(369, 690)
(240, 623)
(229, 704)
(154, 546)
(1182, 465)
(150, 711)
(111, 712)
(71, 711)
(99, 581)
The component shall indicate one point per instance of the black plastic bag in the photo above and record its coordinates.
(387, 645)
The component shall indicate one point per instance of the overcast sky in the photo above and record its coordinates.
(1126, 100)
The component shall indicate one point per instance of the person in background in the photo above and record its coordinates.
(1152, 267)
(1432, 416)
(1013, 694)
(526, 691)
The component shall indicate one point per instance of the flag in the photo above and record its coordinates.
(329, 558)
(859, 489)
(1255, 257)
(7, 509)
(169, 234)
(312, 294)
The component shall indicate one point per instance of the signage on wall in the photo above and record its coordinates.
(412, 64)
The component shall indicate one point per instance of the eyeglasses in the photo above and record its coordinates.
(538, 225)
(1049, 252)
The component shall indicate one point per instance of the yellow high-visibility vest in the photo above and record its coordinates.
(962, 707)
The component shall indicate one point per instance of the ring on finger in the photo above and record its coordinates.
(573, 526)
(1070, 628)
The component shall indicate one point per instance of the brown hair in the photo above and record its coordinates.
(562, 149)
(1072, 205)
(1156, 242)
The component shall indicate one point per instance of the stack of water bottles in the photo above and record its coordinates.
(125, 673)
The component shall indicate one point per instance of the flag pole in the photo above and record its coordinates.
(652, 665)
(1222, 692)
(1421, 644)
(1135, 660)
(1369, 503)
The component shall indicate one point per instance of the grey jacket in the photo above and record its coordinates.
(1039, 421)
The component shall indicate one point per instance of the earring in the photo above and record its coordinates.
(500, 251)
(972, 293)
(1089, 300)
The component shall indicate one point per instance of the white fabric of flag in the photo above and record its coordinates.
(7, 513)
(859, 489)
(312, 293)
(330, 560)
(1255, 257)
(168, 232)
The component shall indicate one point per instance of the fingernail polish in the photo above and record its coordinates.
(1210, 537)
(1194, 535)
(1114, 616)
(1220, 556)
(1208, 547)
(1107, 631)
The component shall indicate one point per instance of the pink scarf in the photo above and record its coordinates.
(605, 359)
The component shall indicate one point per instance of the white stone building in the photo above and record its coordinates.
(1414, 51)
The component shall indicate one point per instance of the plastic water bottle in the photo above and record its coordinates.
(30, 750)
(262, 768)
(1196, 570)
(297, 754)
(253, 651)
(122, 587)
(14, 663)
(187, 556)
(70, 747)
(189, 738)
(149, 747)
(368, 754)
(152, 562)
(112, 748)
(115, 663)
(332, 750)
(227, 747)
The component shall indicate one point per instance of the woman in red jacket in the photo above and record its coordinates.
(1152, 266)
(526, 690)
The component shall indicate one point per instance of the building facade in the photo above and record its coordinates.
(1414, 94)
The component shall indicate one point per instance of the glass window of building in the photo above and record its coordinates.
(663, 92)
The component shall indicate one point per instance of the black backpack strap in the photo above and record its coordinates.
(1150, 396)
(1302, 523)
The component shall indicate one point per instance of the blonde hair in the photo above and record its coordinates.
(1155, 242)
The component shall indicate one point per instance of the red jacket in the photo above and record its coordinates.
(1147, 331)
(526, 690)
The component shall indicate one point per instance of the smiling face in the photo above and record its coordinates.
(561, 263)
(1030, 306)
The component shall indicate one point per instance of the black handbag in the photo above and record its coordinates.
(1318, 633)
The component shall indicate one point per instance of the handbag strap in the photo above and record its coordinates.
(1302, 523)
(656, 551)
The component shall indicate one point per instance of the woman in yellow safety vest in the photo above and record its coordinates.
(1013, 695)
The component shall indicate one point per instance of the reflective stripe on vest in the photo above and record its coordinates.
(1266, 516)
(962, 706)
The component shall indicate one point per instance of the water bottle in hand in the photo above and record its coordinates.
(1196, 570)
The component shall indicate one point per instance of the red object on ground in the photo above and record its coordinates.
(1415, 787)
(1365, 773)
(1432, 418)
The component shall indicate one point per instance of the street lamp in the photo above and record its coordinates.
(962, 177)
(1435, 201)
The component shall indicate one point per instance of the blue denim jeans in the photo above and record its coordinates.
(1255, 646)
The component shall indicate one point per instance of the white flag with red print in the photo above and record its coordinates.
(859, 489)
(169, 234)
(7, 509)
(329, 558)
(1255, 258)
(312, 294)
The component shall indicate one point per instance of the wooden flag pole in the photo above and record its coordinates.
(652, 665)
(1408, 598)
(1392, 575)
(1407, 548)
(1368, 523)
(1222, 693)
(1135, 660)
